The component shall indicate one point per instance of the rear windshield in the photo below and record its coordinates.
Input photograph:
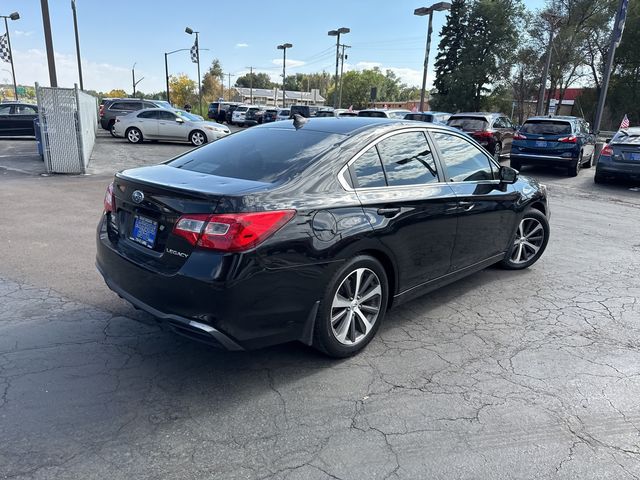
(626, 137)
(469, 124)
(284, 112)
(372, 114)
(262, 155)
(418, 116)
(546, 127)
(242, 109)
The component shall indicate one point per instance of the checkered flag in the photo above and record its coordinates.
(5, 54)
(194, 52)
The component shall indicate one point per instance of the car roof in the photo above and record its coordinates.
(477, 114)
(631, 131)
(553, 117)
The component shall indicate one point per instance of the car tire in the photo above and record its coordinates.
(134, 135)
(111, 128)
(343, 328)
(574, 169)
(529, 241)
(599, 178)
(497, 151)
(197, 138)
(588, 163)
(515, 164)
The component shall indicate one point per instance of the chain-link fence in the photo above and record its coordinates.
(68, 122)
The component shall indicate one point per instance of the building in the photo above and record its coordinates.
(406, 104)
(273, 96)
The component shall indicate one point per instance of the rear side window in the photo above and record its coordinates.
(546, 127)
(407, 159)
(165, 115)
(131, 106)
(151, 114)
(367, 170)
(262, 155)
(469, 124)
(25, 110)
(465, 162)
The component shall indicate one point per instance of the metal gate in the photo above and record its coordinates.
(68, 122)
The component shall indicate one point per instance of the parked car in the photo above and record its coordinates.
(554, 140)
(303, 110)
(215, 109)
(285, 232)
(494, 131)
(432, 117)
(254, 116)
(383, 113)
(620, 158)
(16, 119)
(163, 124)
(239, 113)
(270, 115)
(343, 112)
(283, 114)
(123, 106)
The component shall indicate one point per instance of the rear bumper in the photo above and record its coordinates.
(541, 158)
(622, 171)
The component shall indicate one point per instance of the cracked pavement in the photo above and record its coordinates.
(531, 374)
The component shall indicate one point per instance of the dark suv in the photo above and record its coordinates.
(554, 140)
(494, 131)
(116, 107)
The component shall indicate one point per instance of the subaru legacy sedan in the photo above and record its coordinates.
(620, 158)
(311, 229)
(561, 141)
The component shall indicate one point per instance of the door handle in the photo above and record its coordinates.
(389, 212)
(466, 206)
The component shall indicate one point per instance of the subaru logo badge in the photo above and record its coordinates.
(137, 196)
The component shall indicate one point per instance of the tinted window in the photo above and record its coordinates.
(25, 110)
(151, 114)
(419, 116)
(465, 162)
(546, 127)
(264, 155)
(469, 124)
(407, 159)
(132, 106)
(165, 115)
(368, 170)
(372, 114)
(5, 109)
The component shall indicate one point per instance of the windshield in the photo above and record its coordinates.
(284, 112)
(627, 137)
(162, 104)
(546, 127)
(242, 109)
(189, 116)
(468, 124)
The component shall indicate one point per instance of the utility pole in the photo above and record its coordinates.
(48, 40)
(251, 84)
(343, 57)
(284, 47)
(337, 33)
(75, 28)
(133, 76)
(616, 37)
(552, 19)
(230, 85)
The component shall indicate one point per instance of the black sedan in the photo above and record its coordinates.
(312, 229)
(16, 119)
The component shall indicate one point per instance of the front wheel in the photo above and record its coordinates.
(134, 135)
(112, 128)
(197, 138)
(352, 308)
(529, 242)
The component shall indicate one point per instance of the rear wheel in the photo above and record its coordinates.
(352, 308)
(574, 169)
(529, 241)
(134, 135)
(197, 138)
(598, 178)
(112, 125)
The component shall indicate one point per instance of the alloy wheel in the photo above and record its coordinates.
(197, 138)
(356, 306)
(497, 152)
(133, 135)
(528, 241)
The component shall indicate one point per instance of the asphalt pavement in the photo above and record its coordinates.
(503, 375)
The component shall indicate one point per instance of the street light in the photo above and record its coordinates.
(191, 32)
(133, 75)
(75, 28)
(12, 16)
(284, 47)
(166, 68)
(421, 12)
(337, 33)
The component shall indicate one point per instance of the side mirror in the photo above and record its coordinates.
(179, 120)
(508, 175)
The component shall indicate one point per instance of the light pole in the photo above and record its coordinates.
(166, 68)
(337, 33)
(421, 12)
(552, 19)
(284, 47)
(343, 57)
(48, 40)
(133, 76)
(12, 16)
(75, 29)
(190, 32)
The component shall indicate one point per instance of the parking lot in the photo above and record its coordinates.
(506, 374)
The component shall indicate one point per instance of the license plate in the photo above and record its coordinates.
(634, 156)
(541, 143)
(144, 231)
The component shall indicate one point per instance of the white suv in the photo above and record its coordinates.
(237, 118)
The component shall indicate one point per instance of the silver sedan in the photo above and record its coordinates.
(170, 125)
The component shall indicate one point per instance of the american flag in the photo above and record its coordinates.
(625, 123)
(194, 52)
(5, 54)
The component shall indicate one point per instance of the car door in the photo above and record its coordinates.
(411, 209)
(504, 133)
(7, 125)
(147, 121)
(170, 126)
(23, 116)
(487, 215)
(587, 139)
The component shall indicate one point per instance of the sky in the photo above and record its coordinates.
(117, 34)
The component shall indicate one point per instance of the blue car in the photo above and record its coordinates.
(620, 158)
(555, 140)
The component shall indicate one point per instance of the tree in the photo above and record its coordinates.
(183, 90)
(212, 82)
(255, 80)
(116, 93)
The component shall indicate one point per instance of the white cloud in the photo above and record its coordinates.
(31, 66)
(20, 33)
(290, 62)
(367, 65)
(410, 76)
(242, 45)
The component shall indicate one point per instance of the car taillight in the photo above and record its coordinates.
(231, 232)
(607, 151)
(519, 136)
(570, 139)
(109, 201)
(101, 112)
(483, 134)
